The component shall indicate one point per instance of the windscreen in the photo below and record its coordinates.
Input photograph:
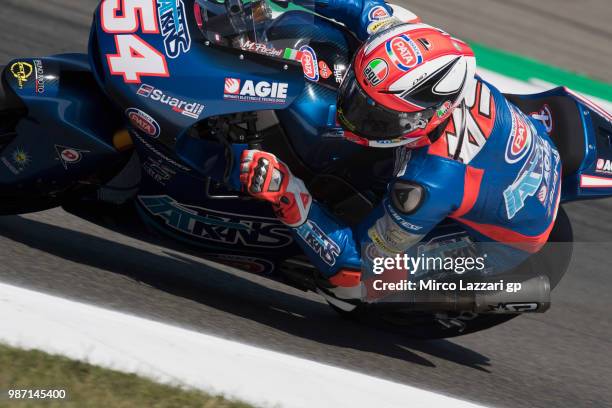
(273, 28)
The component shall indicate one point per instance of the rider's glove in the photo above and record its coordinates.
(267, 178)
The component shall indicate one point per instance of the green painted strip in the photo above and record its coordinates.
(523, 68)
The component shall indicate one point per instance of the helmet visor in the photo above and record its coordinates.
(360, 114)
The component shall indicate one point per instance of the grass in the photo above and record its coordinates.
(87, 385)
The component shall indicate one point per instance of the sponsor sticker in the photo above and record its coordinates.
(309, 63)
(324, 70)
(379, 25)
(186, 108)
(520, 140)
(543, 194)
(319, 242)
(262, 49)
(174, 29)
(250, 91)
(604, 166)
(378, 13)
(24, 71)
(158, 171)
(444, 109)
(19, 160)
(544, 115)
(292, 54)
(376, 71)
(339, 70)
(21, 71)
(158, 153)
(541, 168)
(404, 52)
(144, 122)
(68, 155)
(216, 227)
(39, 72)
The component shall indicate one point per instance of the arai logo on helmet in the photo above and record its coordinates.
(309, 63)
(144, 122)
(376, 71)
(520, 139)
(404, 52)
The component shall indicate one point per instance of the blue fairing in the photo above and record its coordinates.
(196, 76)
(66, 135)
(583, 132)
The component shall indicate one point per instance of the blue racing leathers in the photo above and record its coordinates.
(492, 169)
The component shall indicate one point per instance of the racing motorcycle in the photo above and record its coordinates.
(122, 130)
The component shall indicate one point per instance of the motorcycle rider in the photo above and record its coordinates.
(463, 151)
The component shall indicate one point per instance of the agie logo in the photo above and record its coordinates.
(520, 138)
(251, 91)
(404, 52)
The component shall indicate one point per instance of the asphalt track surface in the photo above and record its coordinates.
(560, 359)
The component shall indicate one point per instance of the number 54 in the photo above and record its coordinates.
(135, 57)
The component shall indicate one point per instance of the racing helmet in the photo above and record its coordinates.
(402, 84)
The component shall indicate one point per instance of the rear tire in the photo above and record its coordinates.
(554, 258)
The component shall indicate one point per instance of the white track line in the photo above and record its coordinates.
(34, 320)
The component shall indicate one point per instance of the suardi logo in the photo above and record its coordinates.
(143, 122)
(310, 63)
(404, 52)
(189, 109)
(520, 138)
(251, 91)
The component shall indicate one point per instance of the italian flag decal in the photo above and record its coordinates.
(292, 54)
(376, 71)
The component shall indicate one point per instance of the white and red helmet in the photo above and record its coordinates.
(404, 82)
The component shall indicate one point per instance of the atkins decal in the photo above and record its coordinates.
(215, 227)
